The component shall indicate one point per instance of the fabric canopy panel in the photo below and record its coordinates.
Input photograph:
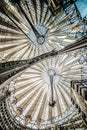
(31, 92)
(41, 95)
(18, 41)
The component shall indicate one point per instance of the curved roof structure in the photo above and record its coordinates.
(41, 94)
(16, 34)
(31, 93)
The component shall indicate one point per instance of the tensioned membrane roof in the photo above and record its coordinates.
(31, 92)
(18, 41)
(25, 38)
